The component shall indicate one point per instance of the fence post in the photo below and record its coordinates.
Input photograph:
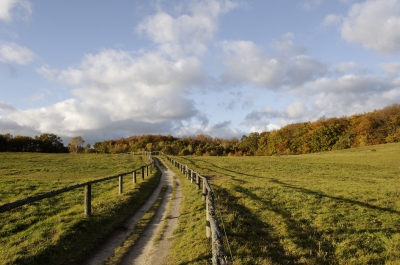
(208, 227)
(88, 200)
(147, 170)
(143, 172)
(204, 190)
(120, 180)
(134, 176)
(191, 176)
(197, 181)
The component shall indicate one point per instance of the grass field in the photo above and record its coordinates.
(55, 230)
(340, 207)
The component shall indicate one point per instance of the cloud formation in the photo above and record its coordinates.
(5, 107)
(13, 53)
(246, 62)
(187, 33)
(375, 24)
(117, 93)
(11, 8)
(126, 92)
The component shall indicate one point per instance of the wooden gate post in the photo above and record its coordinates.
(120, 180)
(134, 176)
(88, 200)
(143, 172)
(197, 181)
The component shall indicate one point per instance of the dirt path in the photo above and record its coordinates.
(142, 252)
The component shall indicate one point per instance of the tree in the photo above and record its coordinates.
(50, 143)
(103, 147)
(76, 145)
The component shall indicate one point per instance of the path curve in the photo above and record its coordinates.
(142, 251)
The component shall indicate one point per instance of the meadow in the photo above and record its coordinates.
(55, 230)
(338, 207)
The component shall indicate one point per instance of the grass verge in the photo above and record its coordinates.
(189, 244)
(168, 214)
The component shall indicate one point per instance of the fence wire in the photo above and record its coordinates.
(226, 236)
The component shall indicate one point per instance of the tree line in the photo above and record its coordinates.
(325, 134)
(45, 143)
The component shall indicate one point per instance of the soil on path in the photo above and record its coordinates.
(143, 252)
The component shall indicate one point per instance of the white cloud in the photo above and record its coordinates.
(120, 93)
(221, 130)
(5, 107)
(115, 89)
(186, 33)
(296, 110)
(346, 67)
(332, 19)
(336, 105)
(47, 72)
(375, 24)
(269, 127)
(347, 1)
(310, 4)
(13, 53)
(391, 69)
(12, 8)
(247, 63)
(362, 85)
(285, 44)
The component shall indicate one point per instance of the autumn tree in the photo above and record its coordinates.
(76, 145)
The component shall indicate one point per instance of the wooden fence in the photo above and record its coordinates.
(88, 188)
(212, 228)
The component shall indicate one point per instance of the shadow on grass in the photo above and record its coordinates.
(341, 199)
(74, 247)
(199, 259)
(286, 185)
(223, 172)
(300, 231)
(250, 238)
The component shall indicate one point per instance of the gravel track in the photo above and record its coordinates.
(143, 252)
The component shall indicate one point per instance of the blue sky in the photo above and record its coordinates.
(106, 70)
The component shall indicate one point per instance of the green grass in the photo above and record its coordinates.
(189, 245)
(55, 230)
(340, 207)
(163, 225)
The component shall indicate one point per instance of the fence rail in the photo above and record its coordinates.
(88, 187)
(212, 228)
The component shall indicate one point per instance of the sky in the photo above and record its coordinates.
(111, 69)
